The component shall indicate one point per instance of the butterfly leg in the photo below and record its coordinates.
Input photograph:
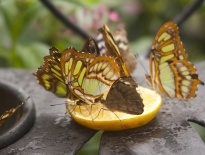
(90, 111)
(103, 101)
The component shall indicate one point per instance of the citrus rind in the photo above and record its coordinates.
(98, 117)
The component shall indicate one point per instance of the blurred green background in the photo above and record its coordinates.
(28, 29)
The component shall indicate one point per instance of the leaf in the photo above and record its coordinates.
(141, 44)
(31, 55)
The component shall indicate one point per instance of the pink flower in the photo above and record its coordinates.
(114, 16)
(101, 10)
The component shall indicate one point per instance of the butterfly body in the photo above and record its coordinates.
(171, 72)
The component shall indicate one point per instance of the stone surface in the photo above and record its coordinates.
(56, 133)
(168, 133)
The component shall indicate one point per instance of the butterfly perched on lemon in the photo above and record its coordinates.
(170, 71)
(86, 77)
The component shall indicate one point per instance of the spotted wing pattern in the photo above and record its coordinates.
(113, 50)
(171, 72)
(120, 37)
(88, 76)
(122, 95)
(49, 75)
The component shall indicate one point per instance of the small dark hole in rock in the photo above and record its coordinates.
(22, 120)
(92, 146)
(8, 101)
(199, 127)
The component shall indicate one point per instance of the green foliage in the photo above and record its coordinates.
(200, 129)
(28, 29)
(141, 45)
(92, 146)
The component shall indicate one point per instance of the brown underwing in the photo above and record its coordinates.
(123, 97)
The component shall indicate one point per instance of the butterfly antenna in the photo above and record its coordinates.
(24, 101)
(140, 62)
(57, 104)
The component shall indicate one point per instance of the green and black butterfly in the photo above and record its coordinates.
(170, 71)
(88, 78)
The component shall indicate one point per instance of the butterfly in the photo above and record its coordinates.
(88, 76)
(171, 72)
(10, 112)
(85, 76)
(74, 73)
(122, 94)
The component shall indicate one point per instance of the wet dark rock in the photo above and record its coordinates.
(168, 133)
(56, 133)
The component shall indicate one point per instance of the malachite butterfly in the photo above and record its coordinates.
(87, 77)
(122, 94)
(170, 71)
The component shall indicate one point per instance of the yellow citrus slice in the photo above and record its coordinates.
(98, 117)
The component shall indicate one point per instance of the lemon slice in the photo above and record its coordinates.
(98, 117)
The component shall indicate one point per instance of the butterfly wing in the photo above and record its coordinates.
(167, 43)
(87, 75)
(186, 79)
(120, 37)
(171, 73)
(49, 75)
(122, 95)
(113, 50)
(91, 46)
